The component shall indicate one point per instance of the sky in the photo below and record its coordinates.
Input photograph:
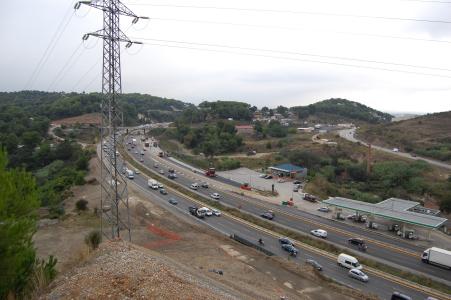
(392, 55)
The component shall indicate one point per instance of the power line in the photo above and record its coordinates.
(299, 53)
(302, 60)
(304, 29)
(85, 74)
(295, 12)
(50, 47)
(67, 66)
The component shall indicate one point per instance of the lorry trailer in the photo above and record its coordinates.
(437, 256)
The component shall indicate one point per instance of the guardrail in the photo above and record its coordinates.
(250, 244)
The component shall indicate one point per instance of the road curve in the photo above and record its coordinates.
(349, 134)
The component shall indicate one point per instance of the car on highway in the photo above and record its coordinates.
(314, 264)
(216, 212)
(172, 176)
(290, 249)
(194, 186)
(215, 196)
(358, 242)
(161, 171)
(400, 296)
(357, 274)
(204, 185)
(267, 215)
(141, 160)
(324, 209)
(173, 201)
(137, 171)
(160, 185)
(348, 261)
(319, 233)
(206, 211)
(284, 240)
(155, 165)
(136, 151)
(163, 192)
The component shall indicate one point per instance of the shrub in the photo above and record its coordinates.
(268, 145)
(81, 204)
(93, 239)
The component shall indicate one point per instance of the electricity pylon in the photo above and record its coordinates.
(114, 196)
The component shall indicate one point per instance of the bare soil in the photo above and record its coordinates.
(92, 118)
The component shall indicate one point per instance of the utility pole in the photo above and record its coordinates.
(114, 196)
(369, 160)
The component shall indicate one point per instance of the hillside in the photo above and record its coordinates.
(428, 135)
(341, 110)
(136, 107)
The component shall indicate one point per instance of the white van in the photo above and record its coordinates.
(348, 261)
(206, 211)
(130, 174)
(153, 184)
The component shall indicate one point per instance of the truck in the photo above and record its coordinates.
(199, 213)
(211, 172)
(437, 256)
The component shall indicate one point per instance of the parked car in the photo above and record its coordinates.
(290, 249)
(357, 274)
(267, 215)
(295, 189)
(310, 198)
(324, 209)
(204, 185)
(215, 196)
(173, 201)
(163, 192)
(268, 177)
(284, 240)
(297, 182)
(358, 242)
(319, 233)
(314, 264)
(262, 175)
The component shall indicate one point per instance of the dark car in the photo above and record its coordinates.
(163, 192)
(286, 241)
(267, 215)
(399, 296)
(173, 201)
(314, 264)
(268, 177)
(297, 182)
(358, 242)
(290, 249)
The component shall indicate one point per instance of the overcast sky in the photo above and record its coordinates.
(281, 76)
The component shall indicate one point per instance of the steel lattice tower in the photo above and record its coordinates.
(114, 196)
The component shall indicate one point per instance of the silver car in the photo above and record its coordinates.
(357, 274)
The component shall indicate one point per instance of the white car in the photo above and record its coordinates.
(215, 196)
(319, 233)
(137, 171)
(160, 186)
(216, 212)
(357, 274)
(206, 211)
(194, 186)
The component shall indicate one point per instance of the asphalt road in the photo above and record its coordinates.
(227, 226)
(380, 247)
(348, 134)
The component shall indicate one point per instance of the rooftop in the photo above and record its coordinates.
(287, 168)
(393, 208)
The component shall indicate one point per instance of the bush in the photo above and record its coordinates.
(81, 204)
(93, 239)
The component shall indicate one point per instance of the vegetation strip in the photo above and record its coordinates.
(425, 283)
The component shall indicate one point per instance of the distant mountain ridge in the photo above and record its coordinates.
(338, 109)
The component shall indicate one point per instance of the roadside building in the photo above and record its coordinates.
(244, 129)
(289, 170)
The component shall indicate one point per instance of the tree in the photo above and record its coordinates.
(18, 205)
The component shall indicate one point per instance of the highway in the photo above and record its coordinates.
(394, 251)
(228, 225)
(348, 134)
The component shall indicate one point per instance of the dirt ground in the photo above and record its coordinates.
(244, 270)
(93, 118)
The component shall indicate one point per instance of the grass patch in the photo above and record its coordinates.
(305, 239)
